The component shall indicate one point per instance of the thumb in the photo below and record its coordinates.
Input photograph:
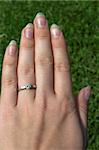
(82, 101)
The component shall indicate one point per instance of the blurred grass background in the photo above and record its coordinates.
(79, 22)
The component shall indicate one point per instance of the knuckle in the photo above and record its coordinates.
(71, 108)
(61, 67)
(83, 110)
(26, 70)
(9, 62)
(27, 45)
(7, 114)
(63, 106)
(43, 61)
(43, 34)
(67, 106)
(9, 75)
(10, 81)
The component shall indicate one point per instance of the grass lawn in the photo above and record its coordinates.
(79, 22)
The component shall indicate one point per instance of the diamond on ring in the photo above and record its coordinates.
(27, 87)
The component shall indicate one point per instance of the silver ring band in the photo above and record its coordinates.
(27, 87)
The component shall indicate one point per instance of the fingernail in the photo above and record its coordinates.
(87, 92)
(55, 31)
(13, 42)
(29, 31)
(40, 20)
(12, 48)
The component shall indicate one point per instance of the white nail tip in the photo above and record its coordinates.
(29, 25)
(54, 26)
(13, 42)
(88, 88)
(40, 14)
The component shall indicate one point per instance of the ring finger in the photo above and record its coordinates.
(26, 64)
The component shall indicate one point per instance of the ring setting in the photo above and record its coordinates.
(27, 87)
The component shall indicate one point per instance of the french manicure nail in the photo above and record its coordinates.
(13, 42)
(87, 92)
(12, 48)
(40, 20)
(29, 31)
(55, 31)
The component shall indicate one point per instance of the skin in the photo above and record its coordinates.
(50, 117)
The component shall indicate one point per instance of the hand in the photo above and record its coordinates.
(50, 117)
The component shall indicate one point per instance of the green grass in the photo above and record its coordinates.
(79, 22)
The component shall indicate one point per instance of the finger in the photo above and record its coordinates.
(62, 77)
(26, 64)
(9, 75)
(43, 55)
(83, 104)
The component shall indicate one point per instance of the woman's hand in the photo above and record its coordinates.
(50, 117)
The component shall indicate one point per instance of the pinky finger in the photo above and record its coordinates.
(9, 75)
